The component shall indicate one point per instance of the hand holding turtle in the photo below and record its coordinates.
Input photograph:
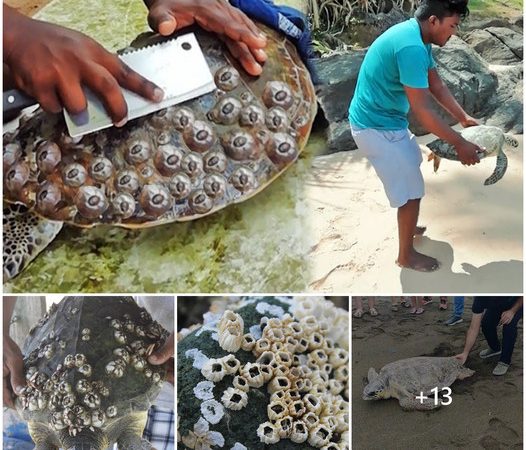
(13, 371)
(468, 121)
(468, 152)
(462, 357)
(51, 63)
(240, 34)
(162, 355)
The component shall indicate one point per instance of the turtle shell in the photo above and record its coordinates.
(86, 365)
(178, 164)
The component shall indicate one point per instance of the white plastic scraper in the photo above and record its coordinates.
(177, 66)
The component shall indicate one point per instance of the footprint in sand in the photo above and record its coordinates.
(499, 436)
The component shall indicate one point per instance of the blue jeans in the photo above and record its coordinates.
(459, 306)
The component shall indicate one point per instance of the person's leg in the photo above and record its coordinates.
(358, 307)
(372, 310)
(443, 303)
(407, 255)
(509, 336)
(490, 321)
(459, 306)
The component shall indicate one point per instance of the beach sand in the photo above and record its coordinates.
(486, 412)
(475, 231)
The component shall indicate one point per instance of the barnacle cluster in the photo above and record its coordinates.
(303, 370)
(73, 391)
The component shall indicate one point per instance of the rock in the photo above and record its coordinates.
(339, 137)
(497, 45)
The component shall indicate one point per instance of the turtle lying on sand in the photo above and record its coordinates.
(89, 384)
(492, 139)
(181, 163)
(408, 378)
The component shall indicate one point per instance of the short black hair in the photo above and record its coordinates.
(441, 9)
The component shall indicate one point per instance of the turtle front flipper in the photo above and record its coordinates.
(436, 160)
(131, 441)
(410, 403)
(500, 169)
(25, 236)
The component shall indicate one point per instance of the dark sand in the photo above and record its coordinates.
(486, 412)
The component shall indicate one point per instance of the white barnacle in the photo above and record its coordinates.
(111, 411)
(212, 411)
(284, 426)
(85, 337)
(138, 363)
(213, 370)
(273, 334)
(248, 342)
(120, 336)
(83, 386)
(278, 384)
(85, 331)
(277, 409)
(98, 418)
(330, 422)
(312, 403)
(317, 358)
(80, 360)
(204, 390)
(253, 374)
(235, 399)
(331, 446)
(316, 340)
(335, 387)
(341, 374)
(339, 357)
(230, 364)
(299, 432)
(116, 324)
(283, 358)
(85, 370)
(231, 338)
(266, 359)
(241, 383)
(57, 421)
(262, 345)
(92, 400)
(64, 387)
(123, 354)
(30, 372)
(311, 420)
(68, 400)
(156, 377)
(115, 369)
(49, 351)
(69, 361)
(297, 408)
(319, 436)
(148, 373)
(268, 433)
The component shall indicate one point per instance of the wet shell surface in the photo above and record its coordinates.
(178, 164)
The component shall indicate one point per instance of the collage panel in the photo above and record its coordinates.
(263, 372)
(85, 372)
(443, 372)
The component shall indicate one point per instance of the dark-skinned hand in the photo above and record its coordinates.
(164, 354)
(13, 371)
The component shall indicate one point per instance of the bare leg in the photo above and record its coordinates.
(358, 307)
(407, 255)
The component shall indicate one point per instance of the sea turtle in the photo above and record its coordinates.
(178, 164)
(408, 378)
(491, 139)
(89, 384)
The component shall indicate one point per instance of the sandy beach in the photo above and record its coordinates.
(475, 231)
(486, 412)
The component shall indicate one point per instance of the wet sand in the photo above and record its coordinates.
(486, 412)
(475, 231)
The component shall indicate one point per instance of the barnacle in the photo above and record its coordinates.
(230, 331)
(213, 370)
(268, 433)
(235, 399)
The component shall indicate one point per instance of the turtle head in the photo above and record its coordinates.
(376, 389)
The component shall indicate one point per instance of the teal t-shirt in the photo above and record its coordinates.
(396, 59)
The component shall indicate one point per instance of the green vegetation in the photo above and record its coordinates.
(496, 8)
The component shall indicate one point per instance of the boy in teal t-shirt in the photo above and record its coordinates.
(399, 72)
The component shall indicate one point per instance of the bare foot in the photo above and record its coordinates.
(419, 231)
(418, 261)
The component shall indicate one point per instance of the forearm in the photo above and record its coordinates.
(471, 337)
(8, 306)
(443, 95)
(433, 123)
(517, 305)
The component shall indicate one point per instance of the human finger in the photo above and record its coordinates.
(72, 95)
(161, 20)
(241, 52)
(133, 81)
(105, 86)
(48, 99)
(164, 353)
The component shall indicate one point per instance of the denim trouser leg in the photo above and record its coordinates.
(459, 306)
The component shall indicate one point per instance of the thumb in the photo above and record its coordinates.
(161, 21)
(17, 378)
(164, 353)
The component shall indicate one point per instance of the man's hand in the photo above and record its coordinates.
(163, 354)
(13, 371)
(241, 35)
(468, 121)
(52, 63)
(467, 152)
(462, 357)
(506, 317)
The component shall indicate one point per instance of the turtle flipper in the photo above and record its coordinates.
(500, 169)
(410, 403)
(130, 441)
(25, 236)
(436, 160)
(510, 141)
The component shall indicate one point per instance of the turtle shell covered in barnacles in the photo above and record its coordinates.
(178, 164)
(88, 378)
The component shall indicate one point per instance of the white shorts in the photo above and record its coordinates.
(396, 158)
